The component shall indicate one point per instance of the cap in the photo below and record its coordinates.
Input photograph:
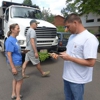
(34, 21)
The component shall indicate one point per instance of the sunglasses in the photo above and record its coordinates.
(66, 26)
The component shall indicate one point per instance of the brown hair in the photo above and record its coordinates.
(12, 26)
(72, 17)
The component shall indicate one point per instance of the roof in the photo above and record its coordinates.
(59, 16)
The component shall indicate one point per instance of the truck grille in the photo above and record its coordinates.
(44, 32)
(45, 41)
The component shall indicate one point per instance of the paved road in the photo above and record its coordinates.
(50, 88)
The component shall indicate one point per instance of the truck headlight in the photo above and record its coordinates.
(56, 41)
(56, 37)
(21, 42)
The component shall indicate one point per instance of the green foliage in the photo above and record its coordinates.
(43, 56)
(70, 8)
(27, 2)
(47, 15)
(81, 7)
(60, 29)
(36, 6)
(50, 18)
(92, 31)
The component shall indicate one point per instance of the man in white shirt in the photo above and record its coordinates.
(79, 58)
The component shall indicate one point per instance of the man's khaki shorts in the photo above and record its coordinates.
(31, 57)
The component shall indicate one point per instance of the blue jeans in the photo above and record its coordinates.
(73, 91)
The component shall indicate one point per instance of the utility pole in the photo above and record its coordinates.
(11, 0)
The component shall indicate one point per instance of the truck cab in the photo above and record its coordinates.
(22, 15)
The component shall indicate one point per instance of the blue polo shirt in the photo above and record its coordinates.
(11, 45)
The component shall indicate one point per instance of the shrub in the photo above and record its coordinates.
(60, 29)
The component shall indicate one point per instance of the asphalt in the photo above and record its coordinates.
(49, 88)
(98, 57)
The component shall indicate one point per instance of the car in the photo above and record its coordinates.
(97, 34)
(62, 40)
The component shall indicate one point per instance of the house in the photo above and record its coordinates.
(91, 22)
(59, 20)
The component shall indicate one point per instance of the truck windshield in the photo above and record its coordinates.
(22, 12)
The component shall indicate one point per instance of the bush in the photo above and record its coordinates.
(92, 31)
(60, 29)
(43, 56)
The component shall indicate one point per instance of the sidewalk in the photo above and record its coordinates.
(98, 57)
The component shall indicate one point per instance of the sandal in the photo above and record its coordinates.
(14, 97)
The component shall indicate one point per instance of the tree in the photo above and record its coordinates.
(70, 8)
(87, 6)
(81, 7)
(27, 2)
(36, 6)
(47, 15)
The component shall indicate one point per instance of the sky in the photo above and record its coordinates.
(54, 5)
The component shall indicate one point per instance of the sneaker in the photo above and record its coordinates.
(46, 74)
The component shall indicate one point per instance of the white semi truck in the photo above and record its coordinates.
(22, 14)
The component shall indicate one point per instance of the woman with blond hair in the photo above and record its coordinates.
(14, 60)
